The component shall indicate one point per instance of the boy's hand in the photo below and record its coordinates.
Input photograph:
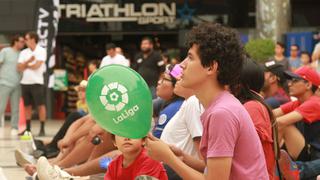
(178, 152)
(157, 149)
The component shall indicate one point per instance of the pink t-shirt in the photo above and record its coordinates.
(228, 131)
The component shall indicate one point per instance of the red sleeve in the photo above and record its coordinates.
(261, 120)
(152, 168)
(310, 110)
(289, 106)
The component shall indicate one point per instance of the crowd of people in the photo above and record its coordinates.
(218, 114)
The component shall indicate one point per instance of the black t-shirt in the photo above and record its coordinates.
(149, 68)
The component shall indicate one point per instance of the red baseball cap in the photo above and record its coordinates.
(306, 73)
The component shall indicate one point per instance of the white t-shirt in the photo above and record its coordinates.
(184, 126)
(117, 59)
(30, 76)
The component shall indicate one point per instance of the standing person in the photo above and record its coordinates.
(10, 80)
(32, 64)
(279, 56)
(148, 64)
(120, 51)
(228, 131)
(113, 57)
(294, 58)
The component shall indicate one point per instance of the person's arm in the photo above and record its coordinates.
(96, 130)
(277, 112)
(75, 131)
(191, 161)
(217, 168)
(21, 66)
(35, 65)
(288, 119)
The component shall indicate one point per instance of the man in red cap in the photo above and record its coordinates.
(299, 121)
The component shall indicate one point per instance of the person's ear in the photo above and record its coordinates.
(309, 85)
(213, 68)
(272, 79)
(114, 143)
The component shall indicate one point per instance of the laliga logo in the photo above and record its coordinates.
(114, 97)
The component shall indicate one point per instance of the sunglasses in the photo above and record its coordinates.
(295, 80)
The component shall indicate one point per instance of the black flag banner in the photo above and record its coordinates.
(47, 18)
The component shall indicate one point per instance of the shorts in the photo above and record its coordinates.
(305, 154)
(33, 94)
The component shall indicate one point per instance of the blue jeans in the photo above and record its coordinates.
(14, 94)
(309, 169)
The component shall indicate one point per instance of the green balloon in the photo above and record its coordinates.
(120, 101)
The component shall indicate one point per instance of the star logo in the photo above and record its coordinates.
(186, 12)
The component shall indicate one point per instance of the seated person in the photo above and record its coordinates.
(274, 89)
(172, 102)
(133, 162)
(298, 121)
(51, 150)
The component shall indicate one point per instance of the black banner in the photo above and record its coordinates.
(47, 19)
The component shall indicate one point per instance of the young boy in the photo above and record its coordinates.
(133, 162)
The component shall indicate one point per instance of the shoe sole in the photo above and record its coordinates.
(20, 160)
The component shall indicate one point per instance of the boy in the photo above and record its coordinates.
(133, 162)
(229, 143)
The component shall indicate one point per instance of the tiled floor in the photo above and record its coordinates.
(8, 168)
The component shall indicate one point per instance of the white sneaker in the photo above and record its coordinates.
(46, 171)
(23, 158)
(14, 132)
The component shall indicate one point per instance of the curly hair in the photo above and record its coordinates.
(220, 44)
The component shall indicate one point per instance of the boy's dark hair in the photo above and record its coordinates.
(14, 39)
(33, 35)
(280, 44)
(220, 44)
(110, 46)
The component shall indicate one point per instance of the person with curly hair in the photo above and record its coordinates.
(230, 144)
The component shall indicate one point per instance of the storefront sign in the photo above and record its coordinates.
(148, 13)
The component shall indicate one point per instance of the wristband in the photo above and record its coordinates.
(104, 162)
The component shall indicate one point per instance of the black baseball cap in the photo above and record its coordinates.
(276, 69)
